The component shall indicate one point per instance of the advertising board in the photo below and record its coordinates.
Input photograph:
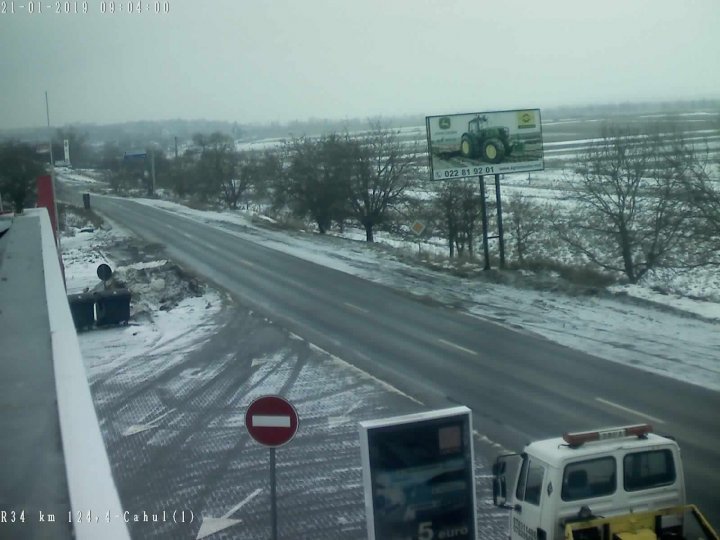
(418, 476)
(475, 144)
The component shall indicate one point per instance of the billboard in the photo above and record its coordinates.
(475, 144)
(418, 476)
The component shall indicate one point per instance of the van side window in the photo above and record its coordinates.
(644, 470)
(522, 479)
(530, 481)
(588, 479)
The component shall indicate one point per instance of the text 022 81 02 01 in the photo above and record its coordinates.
(462, 173)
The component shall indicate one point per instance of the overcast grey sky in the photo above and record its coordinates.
(266, 60)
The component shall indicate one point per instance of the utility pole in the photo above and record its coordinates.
(47, 113)
(52, 174)
(483, 214)
(152, 169)
(501, 235)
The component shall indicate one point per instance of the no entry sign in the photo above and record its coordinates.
(271, 421)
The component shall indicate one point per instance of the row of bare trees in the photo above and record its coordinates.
(640, 201)
(338, 177)
(329, 179)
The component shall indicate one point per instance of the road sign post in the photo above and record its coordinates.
(273, 495)
(272, 421)
(501, 234)
(483, 215)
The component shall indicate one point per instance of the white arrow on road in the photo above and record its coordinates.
(335, 421)
(211, 525)
(139, 428)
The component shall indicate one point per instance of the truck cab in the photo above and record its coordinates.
(587, 475)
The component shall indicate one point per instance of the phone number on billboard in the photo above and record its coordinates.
(472, 171)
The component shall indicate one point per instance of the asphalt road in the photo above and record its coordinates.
(520, 386)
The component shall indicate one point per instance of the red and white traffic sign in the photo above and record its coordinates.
(271, 421)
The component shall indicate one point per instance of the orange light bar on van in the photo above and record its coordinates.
(582, 437)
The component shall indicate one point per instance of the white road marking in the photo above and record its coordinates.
(364, 374)
(631, 411)
(356, 308)
(211, 525)
(458, 347)
(485, 439)
(363, 356)
(335, 421)
(266, 420)
(242, 503)
(152, 424)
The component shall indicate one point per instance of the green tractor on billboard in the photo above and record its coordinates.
(491, 144)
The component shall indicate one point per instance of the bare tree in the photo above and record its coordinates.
(19, 166)
(631, 213)
(216, 166)
(247, 171)
(314, 182)
(447, 203)
(526, 220)
(383, 170)
(459, 205)
(702, 185)
(270, 170)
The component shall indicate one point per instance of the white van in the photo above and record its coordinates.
(584, 476)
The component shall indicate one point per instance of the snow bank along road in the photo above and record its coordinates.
(519, 386)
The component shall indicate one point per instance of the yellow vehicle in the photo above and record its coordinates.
(623, 483)
(644, 526)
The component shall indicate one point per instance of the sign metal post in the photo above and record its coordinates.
(273, 495)
(272, 421)
(501, 234)
(483, 214)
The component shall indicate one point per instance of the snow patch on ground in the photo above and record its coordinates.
(75, 177)
(703, 308)
(166, 319)
(146, 265)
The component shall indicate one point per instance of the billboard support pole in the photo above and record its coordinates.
(152, 171)
(273, 495)
(501, 237)
(483, 213)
